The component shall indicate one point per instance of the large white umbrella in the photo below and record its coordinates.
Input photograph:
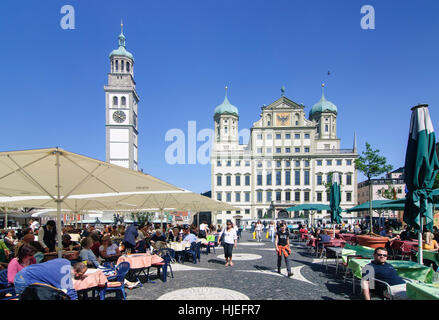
(59, 174)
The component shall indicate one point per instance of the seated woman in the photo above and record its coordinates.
(67, 243)
(429, 243)
(25, 258)
(96, 243)
(10, 240)
(108, 250)
(174, 235)
(86, 254)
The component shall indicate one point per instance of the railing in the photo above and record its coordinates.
(334, 151)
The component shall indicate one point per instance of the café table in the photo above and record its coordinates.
(397, 244)
(346, 236)
(179, 247)
(66, 254)
(94, 279)
(422, 291)
(432, 255)
(333, 243)
(139, 262)
(405, 269)
(357, 250)
(337, 251)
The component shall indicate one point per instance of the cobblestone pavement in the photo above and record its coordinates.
(254, 276)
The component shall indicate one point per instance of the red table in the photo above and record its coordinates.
(346, 236)
(332, 243)
(409, 245)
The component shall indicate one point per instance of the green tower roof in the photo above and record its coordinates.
(323, 105)
(121, 51)
(226, 107)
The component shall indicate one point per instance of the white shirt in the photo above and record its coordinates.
(229, 235)
(34, 225)
(203, 227)
(111, 250)
(259, 226)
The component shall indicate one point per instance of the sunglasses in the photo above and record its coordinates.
(381, 255)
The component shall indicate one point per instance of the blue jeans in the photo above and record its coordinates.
(20, 282)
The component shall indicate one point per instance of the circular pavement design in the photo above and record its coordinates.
(204, 293)
(242, 256)
(251, 244)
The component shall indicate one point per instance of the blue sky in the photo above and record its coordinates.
(51, 84)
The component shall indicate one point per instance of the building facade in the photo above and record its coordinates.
(288, 160)
(121, 104)
(393, 181)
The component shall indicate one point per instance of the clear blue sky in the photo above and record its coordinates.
(51, 84)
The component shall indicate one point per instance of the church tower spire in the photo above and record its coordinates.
(121, 108)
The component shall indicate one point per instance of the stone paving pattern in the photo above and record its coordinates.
(256, 279)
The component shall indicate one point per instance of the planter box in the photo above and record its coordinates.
(372, 241)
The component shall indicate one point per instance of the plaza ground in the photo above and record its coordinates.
(255, 279)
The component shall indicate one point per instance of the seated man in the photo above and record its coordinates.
(157, 237)
(188, 236)
(381, 270)
(67, 242)
(57, 273)
(322, 238)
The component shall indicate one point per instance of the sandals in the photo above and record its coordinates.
(227, 264)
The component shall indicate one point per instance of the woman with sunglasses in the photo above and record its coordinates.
(230, 241)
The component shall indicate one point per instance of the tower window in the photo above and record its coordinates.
(112, 66)
(326, 128)
(123, 101)
(117, 65)
(115, 102)
(121, 65)
(128, 66)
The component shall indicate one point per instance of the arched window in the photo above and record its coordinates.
(121, 65)
(117, 65)
(123, 101)
(326, 128)
(128, 67)
(115, 102)
(225, 130)
(112, 66)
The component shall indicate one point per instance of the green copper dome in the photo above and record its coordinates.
(323, 105)
(121, 51)
(226, 107)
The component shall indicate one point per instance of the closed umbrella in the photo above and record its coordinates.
(335, 199)
(421, 166)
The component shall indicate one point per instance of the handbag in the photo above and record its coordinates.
(222, 239)
(267, 235)
(254, 235)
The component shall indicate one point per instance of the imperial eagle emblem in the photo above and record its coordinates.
(283, 119)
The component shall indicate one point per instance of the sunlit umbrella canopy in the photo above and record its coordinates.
(309, 206)
(378, 205)
(59, 174)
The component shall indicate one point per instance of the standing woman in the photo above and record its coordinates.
(230, 241)
(258, 230)
(282, 244)
(272, 230)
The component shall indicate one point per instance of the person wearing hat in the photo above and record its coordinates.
(47, 236)
(67, 242)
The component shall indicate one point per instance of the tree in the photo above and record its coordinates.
(142, 217)
(372, 165)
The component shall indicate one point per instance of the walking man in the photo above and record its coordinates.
(282, 244)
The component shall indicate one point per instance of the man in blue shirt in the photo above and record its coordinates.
(188, 236)
(381, 270)
(57, 273)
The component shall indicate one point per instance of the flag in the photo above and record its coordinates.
(421, 167)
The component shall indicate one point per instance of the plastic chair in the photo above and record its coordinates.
(43, 291)
(5, 286)
(167, 255)
(192, 252)
(198, 251)
(116, 283)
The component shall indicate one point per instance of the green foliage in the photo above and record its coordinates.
(328, 185)
(142, 217)
(387, 193)
(371, 164)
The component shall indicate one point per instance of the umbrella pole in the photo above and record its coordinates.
(58, 210)
(370, 206)
(6, 218)
(420, 253)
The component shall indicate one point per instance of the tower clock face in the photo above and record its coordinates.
(119, 116)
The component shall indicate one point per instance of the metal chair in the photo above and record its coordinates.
(117, 282)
